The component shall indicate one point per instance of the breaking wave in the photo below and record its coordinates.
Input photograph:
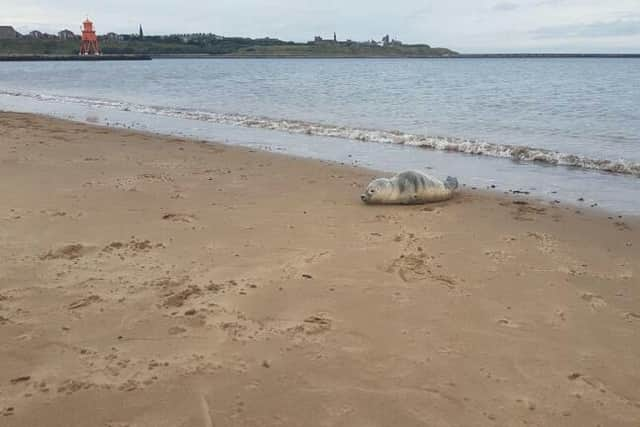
(459, 145)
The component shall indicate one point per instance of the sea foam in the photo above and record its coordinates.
(459, 145)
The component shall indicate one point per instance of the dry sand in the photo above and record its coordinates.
(153, 281)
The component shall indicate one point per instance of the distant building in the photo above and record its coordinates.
(111, 36)
(320, 40)
(66, 35)
(35, 34)
(141, 33)
(385, 40)
(7, 32)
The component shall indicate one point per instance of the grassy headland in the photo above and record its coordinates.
(232, 46)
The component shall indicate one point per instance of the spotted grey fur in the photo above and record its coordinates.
(410, 187)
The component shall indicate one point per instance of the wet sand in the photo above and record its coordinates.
(154, 281)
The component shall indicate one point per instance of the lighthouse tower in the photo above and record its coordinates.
(89, 45)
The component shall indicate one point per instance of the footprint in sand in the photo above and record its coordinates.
(576, 270)
(154, 177)
(178, 299)
(445, 280)
(91, 299)
(239, 328)
(167, 282)
(525, 212)
(316, 324)
(415, 267)
(559, 315)
(528, 403)
(498, 256)
(547, 243)
(316, 257)
(53, 213)
(595, 301)
(508, 323)
(410, 267)
(19, 380)
(176, 330)
(129, 385)
(132, 247)
(70, 252)
(509, 238)
(235, 330)
(72, 386)
(179, 217)
(309, 329)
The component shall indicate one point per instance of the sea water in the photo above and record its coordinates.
(562, 129)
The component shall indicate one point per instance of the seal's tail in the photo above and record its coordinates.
(451, 183)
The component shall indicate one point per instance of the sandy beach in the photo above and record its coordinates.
(153, 281)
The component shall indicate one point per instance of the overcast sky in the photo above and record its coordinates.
(464, 25)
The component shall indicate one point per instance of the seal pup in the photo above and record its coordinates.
(411, 187)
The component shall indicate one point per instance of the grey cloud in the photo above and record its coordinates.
(505, 6)
(549, 2)
(619, 28)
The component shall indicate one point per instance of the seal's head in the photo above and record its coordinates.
(378, 191)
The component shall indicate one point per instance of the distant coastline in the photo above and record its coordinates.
(207, 45)
(133, 57)
(43, 47)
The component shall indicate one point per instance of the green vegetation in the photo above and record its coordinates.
(177, 45)
(38, 47)
(344, 50)
(212, 45)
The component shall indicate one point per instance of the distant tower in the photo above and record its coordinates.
(335, 38)
(89, 45)
(141, 33)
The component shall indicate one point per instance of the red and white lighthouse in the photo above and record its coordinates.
(89, 45)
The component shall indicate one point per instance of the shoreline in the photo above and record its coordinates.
(503, 151)
(254, 288)
(581, 202)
